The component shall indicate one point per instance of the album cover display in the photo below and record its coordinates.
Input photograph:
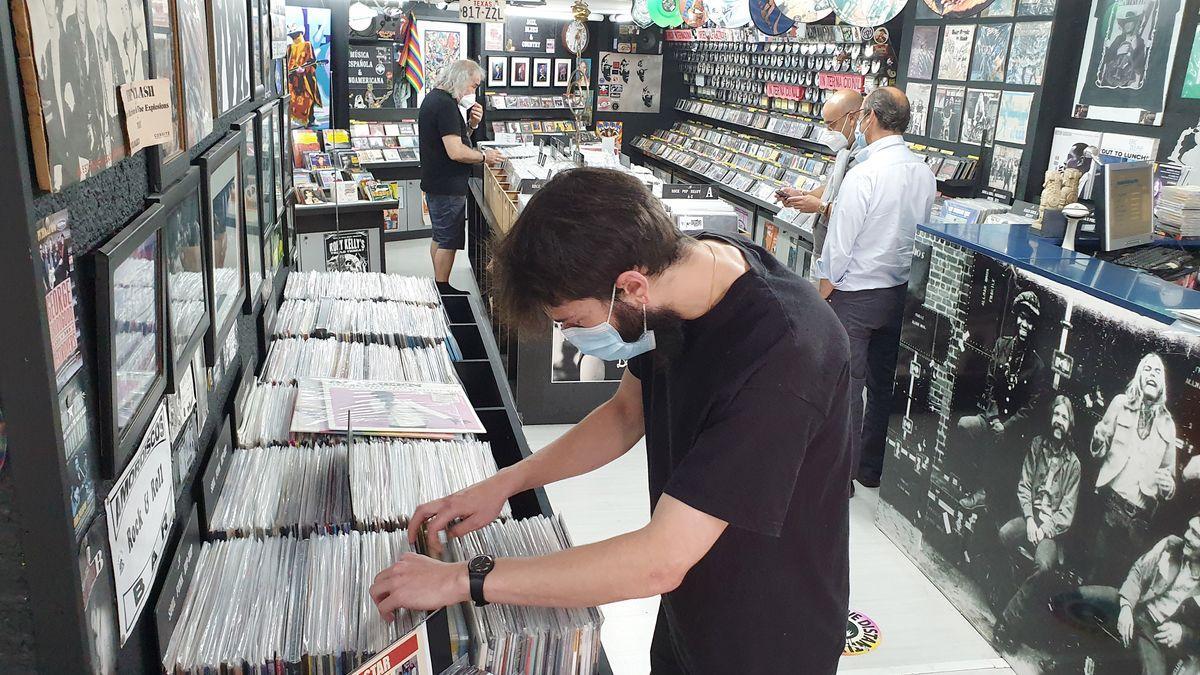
(130, 330)
(58, 278)
(223, 229)
(187, 295)
(979, 116)
(918, 100)
(368, 286)
(562, 72)
(956, 52)
(1005, 169)
(269, 163)
(1013, 123)
(230, 53)
(1128, 52)
(991, 52)
(1027, 59)
(923, 52)
(945, 121)
(1041, 473)
(73, 57)
(1036, 7)
(196, 69)
(1000, 8)
(77, 419)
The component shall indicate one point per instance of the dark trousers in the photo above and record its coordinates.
(1155, 658)
(872, 319)
(1123, 535)
(663, 660)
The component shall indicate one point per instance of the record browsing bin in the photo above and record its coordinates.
(500, 197)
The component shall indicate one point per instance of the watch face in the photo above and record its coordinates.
(481, 563)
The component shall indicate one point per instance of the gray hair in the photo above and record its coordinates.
(890, 107)
(456, 78)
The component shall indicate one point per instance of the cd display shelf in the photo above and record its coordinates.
(781, 128)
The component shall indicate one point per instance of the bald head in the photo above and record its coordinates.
(839, 110)
(889, 107)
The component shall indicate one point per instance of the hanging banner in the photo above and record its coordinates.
(679, 35)
(141, 512)
(790, 92)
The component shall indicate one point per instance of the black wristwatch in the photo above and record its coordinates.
(478, 569)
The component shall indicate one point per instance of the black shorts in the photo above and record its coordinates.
(448, 215)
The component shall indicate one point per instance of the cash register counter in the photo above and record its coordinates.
(1001, 329)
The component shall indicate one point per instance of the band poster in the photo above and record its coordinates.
(1043, 468)
(629, 83)
(1127, 57)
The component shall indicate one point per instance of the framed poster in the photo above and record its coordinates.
(923, 52)
(187, 295)
(73, 56)
(991, 52)
(956, 52)
(286, 164)
(629, 83)
(167, 162)
(1128, 52)
(130, 332)
(442, 43)
(253, 274)
(279, 36)
(562, 72)
(307, 66)
(258, 84)
(230, 39)
(221, 196)
(196, 69)
(520, 71)
(1013, 123)
(497, 71)
(541, 72)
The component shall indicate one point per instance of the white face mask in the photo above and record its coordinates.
(833, 139)
(467, 101)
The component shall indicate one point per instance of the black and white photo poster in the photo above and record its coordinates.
(956, 52)
(1027, 58)
(923, 52)
(75, 55)
(231, 53)
(1006, 166)
(918, 100)
(347, 252)
(1128, 52)
(196, 66)
(141, 511)
(979, 116)
(945, 119)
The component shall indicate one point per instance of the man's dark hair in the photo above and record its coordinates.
(575, 237)
(890, 108)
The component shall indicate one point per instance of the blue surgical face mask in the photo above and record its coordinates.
(860, 138)
(604, 341)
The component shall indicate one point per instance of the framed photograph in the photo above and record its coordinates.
(258, 83)
(168, 162)
(309, 79)
(267, 70)
(73, 104)
(252, 210)
(130, 332)
(442, 43)
(268, 163)
(285, 148)
(541, 72)
(230, 40)
(519, 71)
(562, 72)
(221, 201)
(187, 296)
(195, 66)
(497, 71)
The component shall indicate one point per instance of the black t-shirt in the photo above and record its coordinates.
(440, 116)
(750, 424)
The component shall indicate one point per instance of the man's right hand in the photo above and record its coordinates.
(784, 194)
(1032, 531)
(1125, 624)
(491, 156)
(476, 506)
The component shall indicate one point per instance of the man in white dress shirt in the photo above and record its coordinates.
(865, 262)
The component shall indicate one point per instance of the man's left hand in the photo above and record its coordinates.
(1169, 635)
(419, 582)
(825, 288)
(803, 203)
(475, 115)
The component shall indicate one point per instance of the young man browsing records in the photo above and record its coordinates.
(739, 379)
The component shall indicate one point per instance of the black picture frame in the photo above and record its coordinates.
(273, 257)
(258, 83)
(254, 224)
(220, 168)
(267, 72)
(179, 229)
(167, 163)
(291, 252)
(270, 182)
(222, 30)
(285, 143)
(124, 421)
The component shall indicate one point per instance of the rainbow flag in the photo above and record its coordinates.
(414, 71)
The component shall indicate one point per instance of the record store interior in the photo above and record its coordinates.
(722, 337)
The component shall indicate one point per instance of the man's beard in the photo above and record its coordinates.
(666, 324)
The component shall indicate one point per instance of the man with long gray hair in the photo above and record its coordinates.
(448, 117)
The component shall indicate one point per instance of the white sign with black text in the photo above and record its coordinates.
(148, 113)
(481, 11)
(141, 512)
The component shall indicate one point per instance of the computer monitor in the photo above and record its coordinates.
(1125, 212)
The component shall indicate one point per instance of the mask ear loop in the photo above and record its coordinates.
(611, 304)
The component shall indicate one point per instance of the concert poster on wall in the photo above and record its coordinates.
(307, 66)
(194, 54)
(73, 57)
(347, 252)
(1013, 123)
(58, 276)
(1006, 166)
(1128, 52)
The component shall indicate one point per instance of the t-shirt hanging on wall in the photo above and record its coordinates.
(629, 83)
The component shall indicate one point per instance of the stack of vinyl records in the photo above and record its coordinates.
(284, 490)
(265, 416)
(391, 478)
(400, 322)
(283, 604)
(361, 286)
(1178, 210)
(293, 358)
(512, 640)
